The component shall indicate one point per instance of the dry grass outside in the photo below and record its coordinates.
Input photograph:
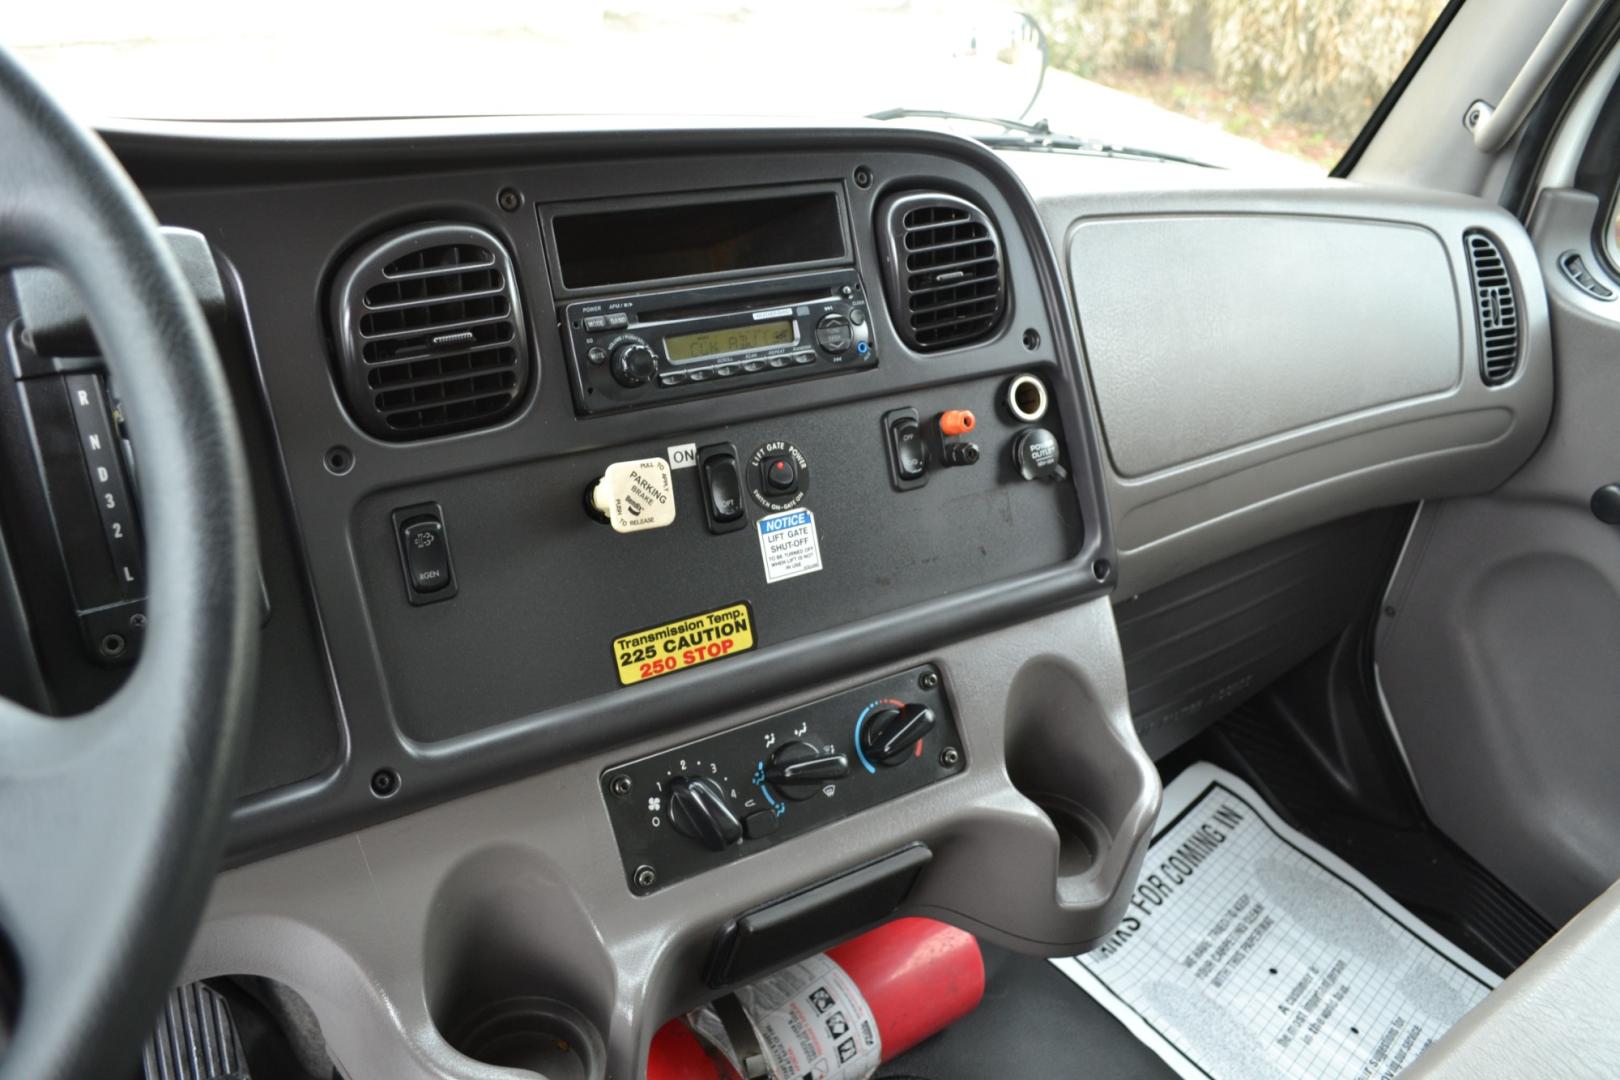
(1300, 76)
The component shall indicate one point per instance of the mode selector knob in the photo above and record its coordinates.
(890, 735)
(634, 364)
(798, 770)
(698, 808)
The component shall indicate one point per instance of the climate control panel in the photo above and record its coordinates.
(705, 803)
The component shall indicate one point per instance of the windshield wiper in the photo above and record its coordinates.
(1023, 135)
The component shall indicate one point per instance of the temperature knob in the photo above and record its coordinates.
(698, 808)
(633, 364)
(798, 770)
(890, 735)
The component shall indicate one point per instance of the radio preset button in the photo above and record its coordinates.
(779, 361)
(699, 375)
(804, 358)
(674, 378)
(725, 371)
(753, 365)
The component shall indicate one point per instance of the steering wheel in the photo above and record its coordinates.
(111, 823)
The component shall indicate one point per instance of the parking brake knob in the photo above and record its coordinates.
(634, 495)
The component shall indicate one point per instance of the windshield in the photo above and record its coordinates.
(1267, 84)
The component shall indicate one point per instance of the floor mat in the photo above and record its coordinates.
(1249, 952)
(1393, 844)
(1031, 1025)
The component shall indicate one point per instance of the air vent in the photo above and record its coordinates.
(943, 266)
(430, 334)
(1496, 307)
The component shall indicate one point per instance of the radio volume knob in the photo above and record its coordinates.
(634, 364)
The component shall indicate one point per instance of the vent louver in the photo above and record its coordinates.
(1496, 308)
(430, 333)
(943, 264)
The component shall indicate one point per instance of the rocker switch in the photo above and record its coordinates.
(424, 554)
(722, 482)
(908, 448)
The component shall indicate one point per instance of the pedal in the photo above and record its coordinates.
(195, 1038)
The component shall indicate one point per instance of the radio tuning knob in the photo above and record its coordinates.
(634, 364)
(798, 770)
(698, 808)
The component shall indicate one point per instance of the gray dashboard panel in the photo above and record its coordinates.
(523, 879)
(1262, 329)
(1191, 483)
(454, 696)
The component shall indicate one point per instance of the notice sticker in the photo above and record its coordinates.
(787, 543)
(660, 650)
(683, 456)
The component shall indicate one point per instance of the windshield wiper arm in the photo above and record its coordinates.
(1022, 135)
(1039, 127)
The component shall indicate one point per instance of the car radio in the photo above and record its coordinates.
(651, 348)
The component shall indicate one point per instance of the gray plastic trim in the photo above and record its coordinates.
(1184, 494)
(1265, 332)
(1496, 651)
(392, 931)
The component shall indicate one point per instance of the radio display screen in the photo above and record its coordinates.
(685, 348)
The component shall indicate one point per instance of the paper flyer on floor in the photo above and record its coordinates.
(1249, 952)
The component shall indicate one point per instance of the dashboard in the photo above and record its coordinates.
(682, 549)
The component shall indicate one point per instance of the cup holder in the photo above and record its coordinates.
(1066, 757)
(540, 1034)
(516, 975)
(1080, 834)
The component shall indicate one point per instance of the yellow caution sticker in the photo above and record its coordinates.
(659, 650)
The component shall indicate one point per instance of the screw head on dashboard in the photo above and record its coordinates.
(863, 177)
(509, 199)
(646, 877)
(384, 782)
(950, 757)
(620, 785)
(928, 681)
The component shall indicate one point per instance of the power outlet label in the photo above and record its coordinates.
(661, 650)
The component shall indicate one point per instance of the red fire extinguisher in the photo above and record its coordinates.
(837, 1014)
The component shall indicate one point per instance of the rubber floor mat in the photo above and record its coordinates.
(1250, 952)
